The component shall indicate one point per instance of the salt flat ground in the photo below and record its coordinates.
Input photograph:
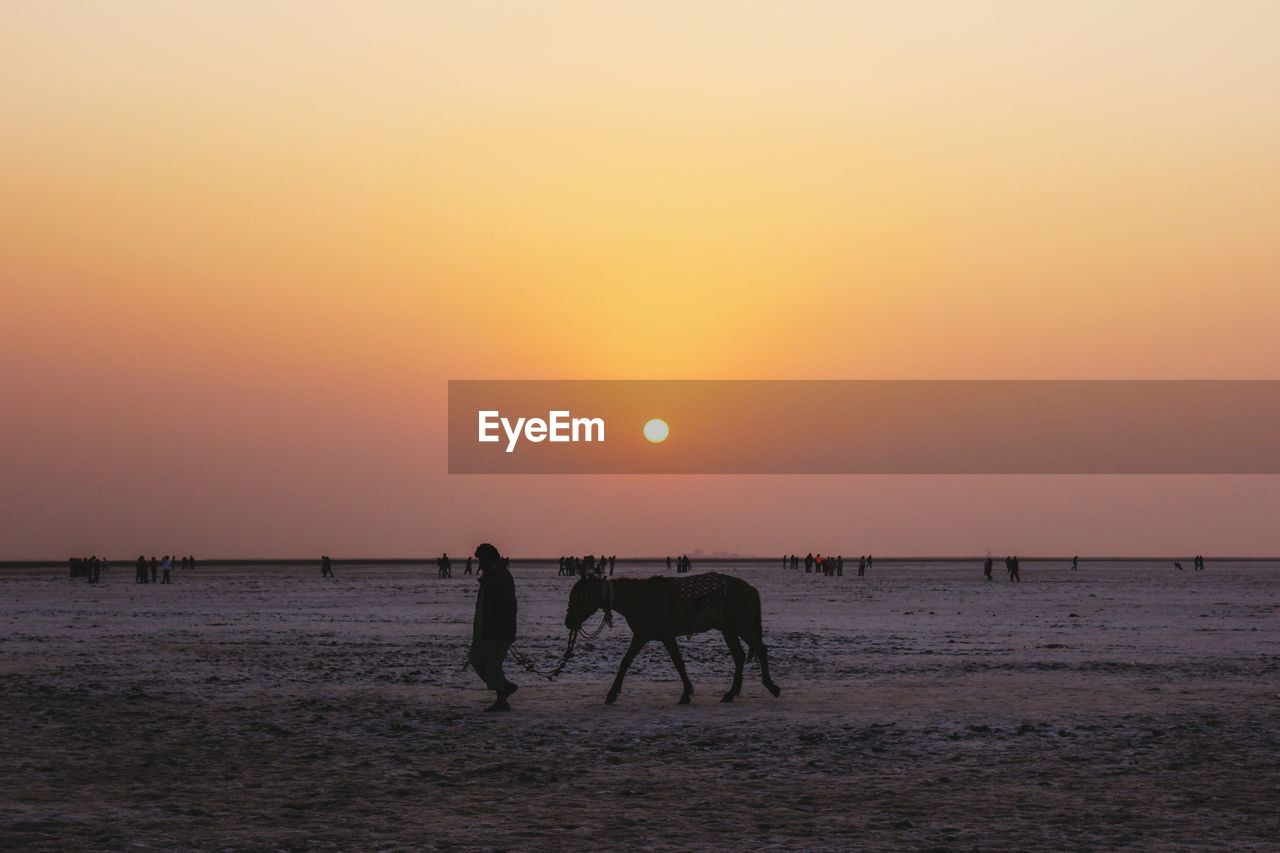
(1117, 706)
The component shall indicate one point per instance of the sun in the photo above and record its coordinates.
(656, 430)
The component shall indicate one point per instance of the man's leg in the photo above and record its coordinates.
(487, 660)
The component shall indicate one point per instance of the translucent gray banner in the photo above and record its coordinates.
(864, 427)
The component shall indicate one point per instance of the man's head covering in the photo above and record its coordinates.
(486, 553)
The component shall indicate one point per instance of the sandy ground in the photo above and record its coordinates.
(1117, 706)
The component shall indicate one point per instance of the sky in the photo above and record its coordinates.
(244, 246)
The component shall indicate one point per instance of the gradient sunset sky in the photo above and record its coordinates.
(243, 247)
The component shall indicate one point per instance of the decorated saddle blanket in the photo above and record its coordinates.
(695, 589)
(698, 599)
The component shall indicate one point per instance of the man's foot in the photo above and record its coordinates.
(500, 705)
(511, 688)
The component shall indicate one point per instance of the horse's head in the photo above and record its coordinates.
(584, 599)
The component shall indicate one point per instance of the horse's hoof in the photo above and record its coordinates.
(684, 700)
(611, 698)
(728, 697)
(775, 690)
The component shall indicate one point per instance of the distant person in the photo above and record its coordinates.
(155, 569)
(1199, 567)
(795, 563)
(986, 568)
(98, 566)
(840, 565)
(1075, 563)
(140, 570)
(613, 558)
(1017, 571)
(870, 560)
(494, 628)
(862, 566)
(167, 566)
(326, 567)
(808, 563)
(668, 562)
(467, 570)
(446, 565)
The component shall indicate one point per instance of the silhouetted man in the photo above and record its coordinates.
(494, 628)
(986, 568)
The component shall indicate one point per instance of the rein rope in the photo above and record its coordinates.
(519, 657)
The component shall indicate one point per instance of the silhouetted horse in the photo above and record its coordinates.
(662, 608)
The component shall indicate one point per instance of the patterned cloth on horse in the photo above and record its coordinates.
(698, 599)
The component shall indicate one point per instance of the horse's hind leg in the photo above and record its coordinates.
(762, 652)
(739, 658)
(634, 649)
(759, 650)
(674, 651)
(753, 633)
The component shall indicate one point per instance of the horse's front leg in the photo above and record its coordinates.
(634, 649)
(674, 651)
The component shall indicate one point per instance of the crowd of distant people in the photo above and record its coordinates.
(146, 570)
(683, 564)
(160, 570)
(832, 567)
(89, 568)
(589, 565)
(444, 566)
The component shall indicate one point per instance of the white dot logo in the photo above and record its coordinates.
(656, 430)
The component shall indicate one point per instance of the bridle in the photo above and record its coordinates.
(606, 604)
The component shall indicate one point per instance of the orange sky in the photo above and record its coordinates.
(243, 247)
